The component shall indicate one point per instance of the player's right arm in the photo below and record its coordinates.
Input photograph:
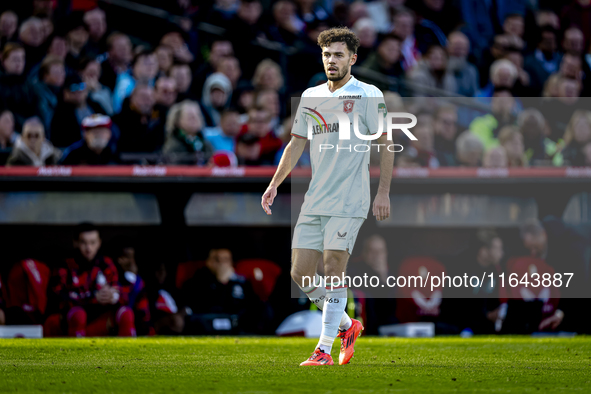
(290, 157)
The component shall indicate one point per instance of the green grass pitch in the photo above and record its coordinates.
(264, 365)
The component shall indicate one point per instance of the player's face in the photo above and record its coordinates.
(89, 243)
(337, 61)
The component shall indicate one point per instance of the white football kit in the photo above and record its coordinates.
(338, 198)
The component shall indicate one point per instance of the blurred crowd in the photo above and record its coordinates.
(113, 288)
(212, 85)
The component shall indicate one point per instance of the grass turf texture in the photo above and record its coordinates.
(202, 364)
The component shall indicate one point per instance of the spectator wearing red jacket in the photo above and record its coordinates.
(257, 128)
(86, 292)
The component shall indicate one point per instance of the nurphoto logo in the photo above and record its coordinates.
(343, 127)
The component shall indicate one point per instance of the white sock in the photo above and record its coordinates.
(334, 307)
(317, 294)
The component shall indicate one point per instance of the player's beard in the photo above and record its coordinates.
(335, 78)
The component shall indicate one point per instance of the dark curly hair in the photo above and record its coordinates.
(339, 34)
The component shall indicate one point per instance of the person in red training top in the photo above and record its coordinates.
(86, 291)
(2, 314)
(131, 286)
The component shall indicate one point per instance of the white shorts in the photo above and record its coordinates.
(326, 233)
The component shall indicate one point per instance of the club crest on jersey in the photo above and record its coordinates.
(348, 106)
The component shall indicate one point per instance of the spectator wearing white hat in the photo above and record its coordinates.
(94, 148)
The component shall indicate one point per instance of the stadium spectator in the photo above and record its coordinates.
(573, 41)
(571, 67)
(268, 76)
(181, 73)
(96, 24)
(495, 157)
(259, 127)
(180, 49)
(576, 137)
(503, 75)
(95, 147)
(286, 27)
(139, 124)
(248, 150)
(219, 49)
(481, 19)
(8, 27)
(465, 73)
(132, 287)
(286, 137)
(120, 55)
(84, 292)
(57, 47)
(514, 24)
(144, 69)
(521, 88)
(365, 30)
(230, 67)
(487, 127)
(165, 94)
(432, 73)
(355, 11)
(386, 59)
(381, 13)
(185, 143)
(46, 26)
(230, 297)
(217, 94)
(404, 25)
(32, 149)
(446, 129)
(309, 12)
(269, 100)
(512, 141)
(423, 148)
(469, 150)
(441, 13)
(90, 72)
(545, 60)
(15, 93)
(539, 149)
(8, 136)
(223, 137)
(52, 76)
(31, 36)
(77, 38)
(576, 13)
(165, 59)
(73, 107)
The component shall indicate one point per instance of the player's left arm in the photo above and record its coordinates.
(381, 204)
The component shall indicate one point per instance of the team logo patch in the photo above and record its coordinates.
(382, 109)
(348, 106)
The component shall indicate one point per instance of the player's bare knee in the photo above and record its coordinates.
(334, 263)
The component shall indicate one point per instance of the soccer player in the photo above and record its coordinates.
(338, 197)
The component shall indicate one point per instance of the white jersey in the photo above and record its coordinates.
(340, 175)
